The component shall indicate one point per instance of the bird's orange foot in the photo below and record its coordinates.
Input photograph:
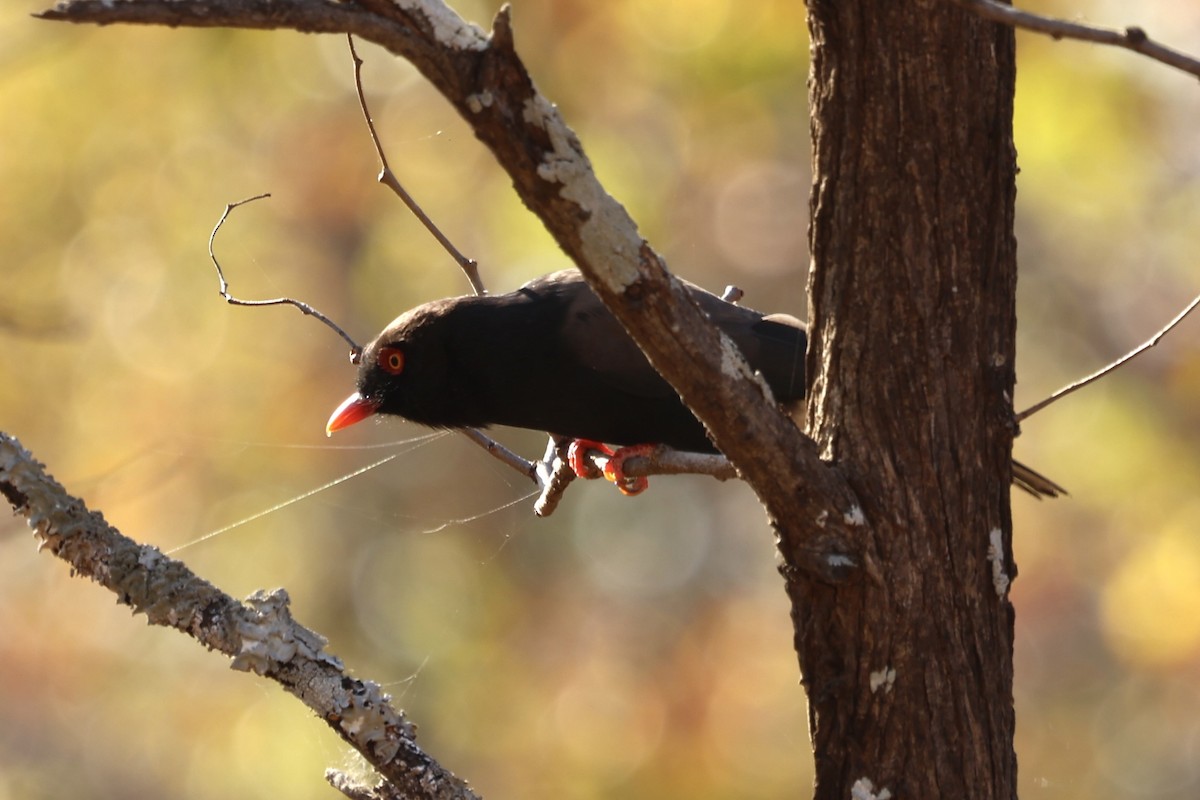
(577, 456)
(614, 467)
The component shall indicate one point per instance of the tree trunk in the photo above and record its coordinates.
(912, 325)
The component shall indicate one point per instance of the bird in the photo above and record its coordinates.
(550, 356)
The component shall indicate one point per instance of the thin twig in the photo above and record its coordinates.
(355, 349)
(552, 473)
(469, 266)
(1132, 38)
(1079, 384)
(502, 453)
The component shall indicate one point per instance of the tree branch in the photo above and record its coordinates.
(259, 635)
(1120, 362)
(553, 474)
(469, 266)
(1132, 38)
(484, 79)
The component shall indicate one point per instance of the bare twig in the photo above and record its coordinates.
(1132, 38)
(355, 349)
(259, 635)
(1095, 376)
(469, 266)
(502, 453)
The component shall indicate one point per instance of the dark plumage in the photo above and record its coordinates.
(551, 357)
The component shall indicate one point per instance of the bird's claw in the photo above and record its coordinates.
(577, 452)
(614, 466)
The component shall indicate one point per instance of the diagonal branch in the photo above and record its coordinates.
(469, 266)
(483, 78)
(1132, 38)
(553, 474)
(258, 635)
(1120, 362)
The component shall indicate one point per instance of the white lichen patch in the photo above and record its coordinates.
(564, 162)
(448, 27)
(864, 789)
(479, 101)
(995, 554)
(609, 229)
(854, 516)
(883, 678)
(734, 366)
(270, 637)
(369, 719)
(151, 558)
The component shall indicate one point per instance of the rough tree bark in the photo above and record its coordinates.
(895, 540)
(912, 321)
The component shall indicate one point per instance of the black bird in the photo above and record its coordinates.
(551, 357)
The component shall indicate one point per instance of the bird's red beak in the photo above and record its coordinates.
(354, 408)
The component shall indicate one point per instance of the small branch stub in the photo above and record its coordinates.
(1131, 38)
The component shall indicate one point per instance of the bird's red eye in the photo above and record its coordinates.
(391, 360)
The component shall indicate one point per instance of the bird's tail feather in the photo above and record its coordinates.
(1034, 482)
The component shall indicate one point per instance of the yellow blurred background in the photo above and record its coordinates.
(635, 648)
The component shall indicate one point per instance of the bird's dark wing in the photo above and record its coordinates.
(773, 345)
(591, 336)
(1035, 482)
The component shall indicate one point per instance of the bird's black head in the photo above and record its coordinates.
(403, 372)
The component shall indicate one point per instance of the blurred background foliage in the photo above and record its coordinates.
(632, 648)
